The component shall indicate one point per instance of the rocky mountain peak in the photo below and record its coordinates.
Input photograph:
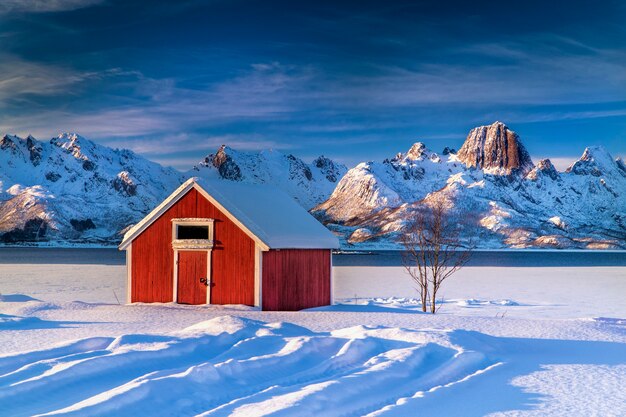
(595, 161)
(331, 171)
(66, 139)
(226, 166)
(220, 156)
(73, 144)
(544, 167)
(29, 147)
(598, 154)
(447, 151)
(495, 149)
(8, 142)
(621, 165)
(416, 151)
(34, 150)
(124, 184)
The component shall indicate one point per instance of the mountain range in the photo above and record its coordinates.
(499, 196)
(70, 190)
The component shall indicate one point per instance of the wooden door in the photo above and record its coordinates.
(192, 268)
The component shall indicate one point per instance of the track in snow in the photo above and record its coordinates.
(239, 367)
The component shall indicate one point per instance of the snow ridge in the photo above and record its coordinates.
(220, 368)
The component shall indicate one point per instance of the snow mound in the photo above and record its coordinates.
(219, 325)
(610, 321)
(238, 367)
(404, 305)
(472, 302)
(16, 298)
(11, 322)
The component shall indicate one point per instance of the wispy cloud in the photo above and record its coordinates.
(161, 105)
(552, 115)
(343, 78)
(41, 6)
(20, 79)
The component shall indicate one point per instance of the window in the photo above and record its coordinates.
(192, 232)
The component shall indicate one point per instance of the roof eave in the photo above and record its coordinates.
(170, 201)
(151, 217)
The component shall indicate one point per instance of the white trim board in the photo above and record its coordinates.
(332, 280)
(258, 276)
(136, 230)
(129, 274)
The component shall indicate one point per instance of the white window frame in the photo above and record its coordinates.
(192, 244)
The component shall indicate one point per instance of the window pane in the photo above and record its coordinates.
(193, 232)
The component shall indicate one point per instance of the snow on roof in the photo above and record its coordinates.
(269, 214)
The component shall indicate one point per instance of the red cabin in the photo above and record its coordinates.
(229, 243)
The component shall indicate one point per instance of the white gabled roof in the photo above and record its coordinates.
(269, 216)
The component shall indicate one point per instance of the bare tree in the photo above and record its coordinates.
(433, 251)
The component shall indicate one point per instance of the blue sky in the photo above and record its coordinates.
(352, 80)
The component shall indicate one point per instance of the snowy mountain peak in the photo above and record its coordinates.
(309, 184)
(27, 149)
(69, 138)
(224, 163)
(447, 151)
(543, 168)
(416, 152)
(35, 150)
(598, 154)
(332, 171)
(495, 149)
(76, 145)
(595, 161)
(9, 142)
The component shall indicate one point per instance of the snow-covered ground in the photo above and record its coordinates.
(541, 292)
(508, 341)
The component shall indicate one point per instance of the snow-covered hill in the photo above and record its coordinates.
(71, 190)
(309, 184)
(497, 194)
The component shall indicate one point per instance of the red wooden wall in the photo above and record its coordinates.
(294, 279)
(232, 259)
(232, 262)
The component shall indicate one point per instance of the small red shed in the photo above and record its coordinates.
(216, 242)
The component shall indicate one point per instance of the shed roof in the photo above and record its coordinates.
(268, 215)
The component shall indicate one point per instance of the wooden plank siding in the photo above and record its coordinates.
(232, 262)
(294, 279)
(232, 270)
(153, 257)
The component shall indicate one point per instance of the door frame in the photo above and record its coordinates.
(208, 272)
(192, 246)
